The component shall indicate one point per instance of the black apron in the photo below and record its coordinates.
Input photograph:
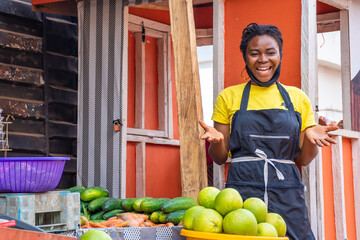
(264, 145)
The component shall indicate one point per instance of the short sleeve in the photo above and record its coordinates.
(221, 113)
(307, 113)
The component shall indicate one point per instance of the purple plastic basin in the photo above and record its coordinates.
(30, 174)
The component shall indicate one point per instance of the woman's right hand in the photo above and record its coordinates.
(211, 134)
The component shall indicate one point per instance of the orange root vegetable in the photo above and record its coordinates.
(169, 224)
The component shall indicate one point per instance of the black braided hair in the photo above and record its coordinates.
(253, 29)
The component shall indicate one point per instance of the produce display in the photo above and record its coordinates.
(225, 212)
(98, 210)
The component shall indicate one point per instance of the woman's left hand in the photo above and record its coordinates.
(319, 135)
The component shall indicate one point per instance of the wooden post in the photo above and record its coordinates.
(218, 76)
(192, 149)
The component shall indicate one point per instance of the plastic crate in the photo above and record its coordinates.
(53, 211)
(195, 235)
(139, 233)
(30, 174)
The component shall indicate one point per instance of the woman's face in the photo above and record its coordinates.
(263, 57)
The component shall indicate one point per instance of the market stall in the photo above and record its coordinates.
(161, 156)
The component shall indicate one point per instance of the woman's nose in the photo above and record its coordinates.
(263, 58)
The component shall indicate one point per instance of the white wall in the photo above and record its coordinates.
(329, 76)
(205, 59)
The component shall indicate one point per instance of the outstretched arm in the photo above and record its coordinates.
(218, 136)
(312, 138)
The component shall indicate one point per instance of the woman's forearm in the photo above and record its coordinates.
(308, 152)
(218, 152)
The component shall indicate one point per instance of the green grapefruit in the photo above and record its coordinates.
(241, 222)
(95, 235)
(278, 222)
(189, 216)
(227, 200)
(266, 230)
(257, 207)
(208, 220)
(206, 196)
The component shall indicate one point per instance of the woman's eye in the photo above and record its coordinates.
(254, 54)
(272, 53)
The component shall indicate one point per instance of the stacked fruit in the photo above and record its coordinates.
(225, 212)
(100, 210)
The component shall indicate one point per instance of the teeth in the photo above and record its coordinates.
(264, 69)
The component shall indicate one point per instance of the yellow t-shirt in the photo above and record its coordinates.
(228, 102)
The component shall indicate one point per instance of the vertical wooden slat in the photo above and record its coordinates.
(162, 79)
(140, 169)
(339, 194)
(46, 86)
(170, 129)
(139, 81)
(192, 150)
(140, 112)
(124, 98)
(218, 76)
(320, 198)
(309, 86)
(345, 68)
(164, 89)
(355, 145)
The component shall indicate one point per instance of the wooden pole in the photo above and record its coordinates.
(192, 149)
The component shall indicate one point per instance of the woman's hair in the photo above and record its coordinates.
(253, 29)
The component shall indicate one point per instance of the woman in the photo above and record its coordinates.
(267, 127)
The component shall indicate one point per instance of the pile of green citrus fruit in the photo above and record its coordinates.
(225, 212)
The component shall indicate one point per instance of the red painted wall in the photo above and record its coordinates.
(162, 168)
(328, 187)
(286, 15)
(349, 189)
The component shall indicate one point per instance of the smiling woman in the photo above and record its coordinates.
(264, 122)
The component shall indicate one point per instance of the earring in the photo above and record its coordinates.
(245, 78)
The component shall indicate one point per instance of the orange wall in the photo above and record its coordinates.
(329, 214)
(162, 169)
(162, 162)
(349, 190)
(286, 15)
(328, 188)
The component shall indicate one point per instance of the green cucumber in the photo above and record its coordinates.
(92, 193)
(97, 216)
(179, 203)
(162, 217)
(153, 205)
(175, 217)
(127, 203)
(154, 217)
(112, 204)
(78, 189)
(96, 204)
(112, 213)
(136, 204)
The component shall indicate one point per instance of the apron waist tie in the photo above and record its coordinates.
(263, 157)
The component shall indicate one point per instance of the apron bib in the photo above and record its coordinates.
(263, 146)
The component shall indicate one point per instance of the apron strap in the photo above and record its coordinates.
(245, 97)
(263, 157)
(286, 97)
